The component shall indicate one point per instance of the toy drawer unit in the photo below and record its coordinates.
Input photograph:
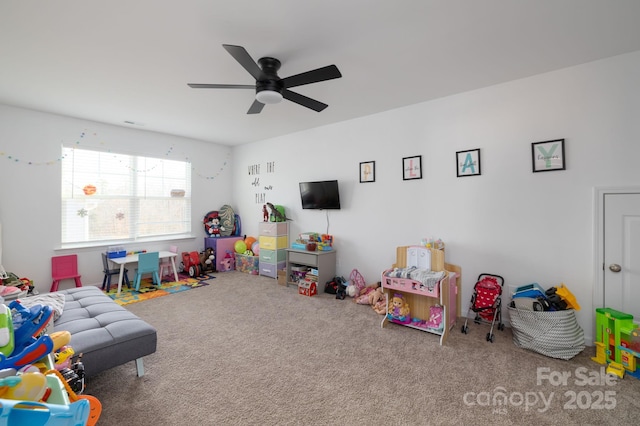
(272, 229)
(272, 256)
(271, 269)
(417, 277)
(273, 243)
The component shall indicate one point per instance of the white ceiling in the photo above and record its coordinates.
(130, 60)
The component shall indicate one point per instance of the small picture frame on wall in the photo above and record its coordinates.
(468, 162)
(548, 156)
(412, 167)
(367, 171)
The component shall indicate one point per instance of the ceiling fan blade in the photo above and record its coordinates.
(242, 56)
(255, 107)
(221, 86)
(321, 74)
(303, 100)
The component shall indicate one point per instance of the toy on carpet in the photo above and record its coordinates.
(228, 262)
(617, 342)
(191, 263)
(356, 282)
(380, 307)
(337, 286)
(364, 297)
(207, 260)
(399, 310)
(376, 298)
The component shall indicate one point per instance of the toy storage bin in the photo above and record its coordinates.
(298, 273)
(555, 334)
(247, 264)
(116, 251)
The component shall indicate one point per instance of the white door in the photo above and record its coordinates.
(621, 255)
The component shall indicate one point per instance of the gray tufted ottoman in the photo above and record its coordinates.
(107, 334)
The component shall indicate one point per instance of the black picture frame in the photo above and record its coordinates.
(468, 163)
(367, 171)
(548, 156)
(412, 167)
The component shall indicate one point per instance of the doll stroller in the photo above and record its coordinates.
(486, 302)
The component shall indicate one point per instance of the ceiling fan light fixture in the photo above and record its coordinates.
(269, 97)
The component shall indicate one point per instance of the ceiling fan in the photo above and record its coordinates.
(269, 87)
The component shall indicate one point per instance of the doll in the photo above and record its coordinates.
(364, 298)
(399, 309)
(377, 301)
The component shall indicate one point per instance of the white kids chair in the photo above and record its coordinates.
(166, 263)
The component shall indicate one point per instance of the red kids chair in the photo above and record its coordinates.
(64, 268)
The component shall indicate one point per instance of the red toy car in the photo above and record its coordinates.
(191, 262)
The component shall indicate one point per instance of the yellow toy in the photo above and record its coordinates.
(60, 339)
(615, 369)
(31, 387)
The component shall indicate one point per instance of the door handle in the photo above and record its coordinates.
(614, 267)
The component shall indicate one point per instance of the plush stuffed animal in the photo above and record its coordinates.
(351, 289)
(207, 260)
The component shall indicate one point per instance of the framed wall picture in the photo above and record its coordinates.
(412, 167)
(367, 171)
(548, 155)
(468, 162)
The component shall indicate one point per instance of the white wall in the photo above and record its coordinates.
(527, 227)
(30, 149)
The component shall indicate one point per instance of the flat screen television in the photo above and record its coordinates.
(320, 195)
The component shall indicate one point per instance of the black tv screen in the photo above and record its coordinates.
(320, 195)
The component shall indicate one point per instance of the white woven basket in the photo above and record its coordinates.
(556, 334)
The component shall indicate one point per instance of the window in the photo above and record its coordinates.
(110, 197)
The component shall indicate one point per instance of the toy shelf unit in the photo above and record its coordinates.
(323, 261)
(222, 246)
(273, 238)
(423, 279)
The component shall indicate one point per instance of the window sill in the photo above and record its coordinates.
(125, 243)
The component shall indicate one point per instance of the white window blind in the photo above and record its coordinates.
(110, 197)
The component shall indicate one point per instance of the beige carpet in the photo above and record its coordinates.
(246, 351)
